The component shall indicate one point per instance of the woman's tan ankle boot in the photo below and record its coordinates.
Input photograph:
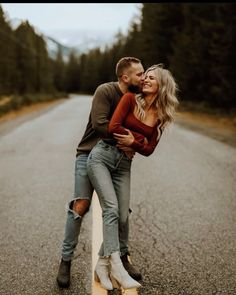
(120, 274)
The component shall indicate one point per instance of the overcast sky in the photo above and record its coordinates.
(58, 16)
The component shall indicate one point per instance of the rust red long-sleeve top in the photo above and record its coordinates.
(124, 118)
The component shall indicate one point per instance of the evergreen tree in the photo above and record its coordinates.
(222, 48)
(44, 82)
(27, 57)
(203, 54)
(59, 71)
(91, 70)
(133, 42)
(160, 24)
(72, 73)
(196, 41)
(7, 56)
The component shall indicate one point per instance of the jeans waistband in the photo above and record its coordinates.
(110, 142)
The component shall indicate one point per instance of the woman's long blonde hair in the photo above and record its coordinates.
(166, 100)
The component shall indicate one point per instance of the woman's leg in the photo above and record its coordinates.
(110, 176)
(98, 171)
(121, 182)
(101, 273)
(101, 179)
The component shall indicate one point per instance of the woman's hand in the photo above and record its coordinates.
(124, 139)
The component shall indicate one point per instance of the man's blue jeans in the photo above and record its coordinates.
(109, 171)
(83, 190)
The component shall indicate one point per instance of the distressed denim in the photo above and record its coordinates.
(83, 190)
(109, 171)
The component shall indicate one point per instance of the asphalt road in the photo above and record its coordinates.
(183, 225)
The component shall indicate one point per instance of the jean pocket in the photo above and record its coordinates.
(105, 145)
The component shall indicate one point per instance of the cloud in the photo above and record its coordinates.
(48, 16)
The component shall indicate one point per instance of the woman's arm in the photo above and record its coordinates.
(144, 148)
(123, 108)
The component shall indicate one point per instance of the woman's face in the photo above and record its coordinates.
(150, 84)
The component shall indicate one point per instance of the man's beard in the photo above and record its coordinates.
(134, 88)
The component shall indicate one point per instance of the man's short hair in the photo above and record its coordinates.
(125, 63)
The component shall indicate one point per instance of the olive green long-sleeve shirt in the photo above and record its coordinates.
(105, 100)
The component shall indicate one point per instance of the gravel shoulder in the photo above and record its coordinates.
(13, 119)
(221, 128)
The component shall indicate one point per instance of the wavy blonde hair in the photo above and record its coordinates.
(166, 101)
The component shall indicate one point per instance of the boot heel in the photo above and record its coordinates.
(115, 283)
(101, 275)
(120, 274)
(96, 278)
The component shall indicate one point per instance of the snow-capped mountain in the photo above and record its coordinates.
(14, 22)
(83, 40)
(53, 45)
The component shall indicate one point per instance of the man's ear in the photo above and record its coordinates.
(125, 78)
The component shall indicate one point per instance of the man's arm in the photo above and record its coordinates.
(101, 107)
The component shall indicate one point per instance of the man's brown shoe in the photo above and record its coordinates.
(63, 277)
(134, 273)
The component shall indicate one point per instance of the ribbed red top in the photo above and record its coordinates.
(124, 117)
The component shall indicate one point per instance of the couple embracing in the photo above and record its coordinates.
(127, 116)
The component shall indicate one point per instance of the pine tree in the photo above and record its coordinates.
(203, 54)
(27, 57)
(160, 24)
(44, 82)
(59, 71)
(7, 56)
(72, 73)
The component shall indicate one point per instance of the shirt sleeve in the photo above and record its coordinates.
(101, 107)
(147, 149)
(123, 108)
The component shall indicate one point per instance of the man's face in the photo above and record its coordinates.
(135, 77)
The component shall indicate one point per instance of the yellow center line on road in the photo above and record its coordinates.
(97, 240)
(130, 292)
(96, 243)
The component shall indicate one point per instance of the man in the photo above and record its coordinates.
(129, 71)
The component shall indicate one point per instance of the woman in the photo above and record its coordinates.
(138, 122)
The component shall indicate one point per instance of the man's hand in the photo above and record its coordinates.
(145, 141)
(122, 142)
(124, 139)
(127, 150)
(124, 148)
(130, 155)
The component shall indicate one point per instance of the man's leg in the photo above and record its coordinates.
(76, 209)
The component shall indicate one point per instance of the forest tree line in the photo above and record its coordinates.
(196, 42)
